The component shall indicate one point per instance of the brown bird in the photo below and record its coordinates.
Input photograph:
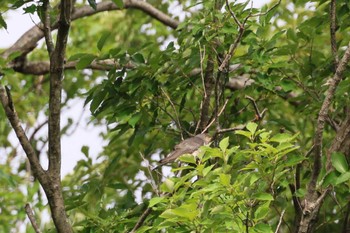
(188, 146)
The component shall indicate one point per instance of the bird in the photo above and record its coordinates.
(187, 146)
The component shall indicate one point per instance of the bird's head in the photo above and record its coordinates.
(205, 137)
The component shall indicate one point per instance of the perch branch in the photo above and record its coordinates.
(31, 217)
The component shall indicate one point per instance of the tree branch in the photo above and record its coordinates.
(28, 40)
(47, 27)
(141, 219)
(31, 217)
(333, 30)
(333, 84)
(12, 116)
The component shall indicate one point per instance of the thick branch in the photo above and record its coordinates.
(56, 76)
(29, 39)
(53, 190)
(333, 84)
(43, 67)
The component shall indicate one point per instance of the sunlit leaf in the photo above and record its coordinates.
(224, 144)
(342, 178)
(263, 197)
(251, 126)
(154, 201)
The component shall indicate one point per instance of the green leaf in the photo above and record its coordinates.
(187, 158)
(224, 144)
(244, 133)
(154, 201)
(225, 179)
(282, 137)
(251, 126)
(339, 162)
(262, 210)
(101, 42)
(138, 57)
(85, 151)
(342, 178)
(134, 119)
(331, 178)
(2, 22)
(262, 228)
(119, 3)
(206, 170)
(30, 9)
(300, 192)
(92, 3)
(14, 55)
(186, 211)
(85, 61)
(168, 186)
(263, 197)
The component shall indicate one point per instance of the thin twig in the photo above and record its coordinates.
(259, 115)
(202, 56)
(219, 114)
(31, 217)
(36, 130)
(239, 127)
(280, 221)
(333, 29)
(266, 12)
(152, 180)
(233, 15)
(175, 112)
(141, 219)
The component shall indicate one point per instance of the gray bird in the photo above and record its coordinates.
(188, 146)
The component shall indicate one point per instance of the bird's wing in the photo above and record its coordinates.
(177, 153)
(190, 143)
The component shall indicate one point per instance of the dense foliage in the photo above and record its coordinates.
(270, 85)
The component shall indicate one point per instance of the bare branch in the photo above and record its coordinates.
(333, 29)
(259, 115)
(178, 123)
(28, 40)
(12, 116)
(31, 217)
(141, 219)
(47, 27)
(218, 115)
(322, 116)
(239, 127)
(280, 221)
